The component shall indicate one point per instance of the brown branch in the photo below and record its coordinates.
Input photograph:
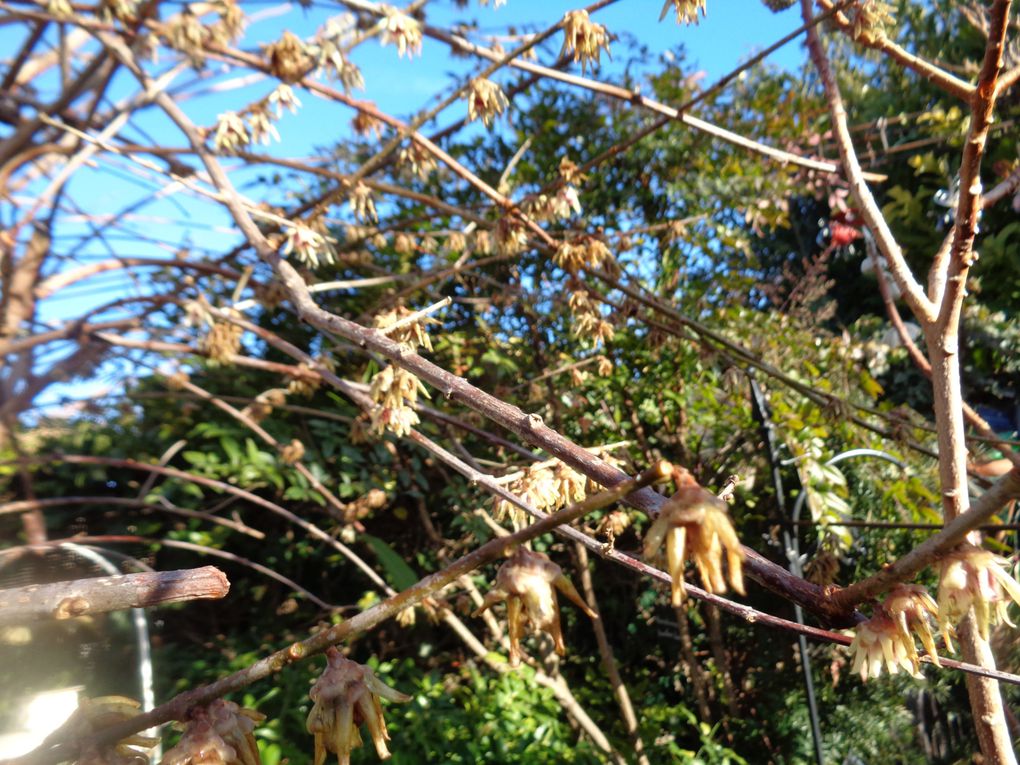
(870, 211)
(177, 708)
(1004, 188)
(108, 539)
(627, 715)
(747, 613)
(1007, 80)
(968, 207)
(163, 506)
(929, 71)
(328, 496)
(65, 278)
(84, 597)
(634, 97)
(17, 298)
(310, 528)
(921, 362)
(1003, 491)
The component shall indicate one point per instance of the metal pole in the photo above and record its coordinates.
(761, 410)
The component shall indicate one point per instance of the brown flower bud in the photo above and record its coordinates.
(345, 696)
(288, 59)
(526, 581)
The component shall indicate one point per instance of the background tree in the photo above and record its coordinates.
(596, 268)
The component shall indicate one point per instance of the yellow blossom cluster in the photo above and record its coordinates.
(486, 101)
(583, 38)
(870, 19)
(218, 734)
(263, 404)
(553, 207)
(359, 198)
(222, 342)
(585, 251)
(92, 716)
(418, 160)
(289, 58)
(395, 390)
(412, 334)
(588, 322)
(544, 486)
(687, 11)
(308, 379)
(293, 452)
(974, 577)
(254, 125)
(511, 236)
(401, 30)
(887, 639)
(186, 33)
(309, 243)
(970, 578)
(328, 52)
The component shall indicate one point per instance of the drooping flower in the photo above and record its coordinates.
(93, 715)
(879, 641)
(694, 523)
(871, 18)
(413, 334)
(971, 576)
(231, 133)
(526, 581)
(583, 38)
(222, 342)
(292, 453)
(218, 734)
(486, 101)
(361, 203)
(588, 322)
(910, 606)
(401, 30)
(309, 245)
(686, 10)
(396, 391)
(344, 697)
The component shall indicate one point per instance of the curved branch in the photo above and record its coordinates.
(1003, 491)
(940, 78)
(177, 708)
(923, 309)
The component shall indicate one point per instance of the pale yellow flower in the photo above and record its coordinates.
(686, 10)
(486, 101)
(583, 38)
(971, 576)
(401, 30)
(695, 525)
(878, 642)
(910, 606)
(92, 716)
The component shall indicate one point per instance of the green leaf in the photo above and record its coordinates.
(398, 573)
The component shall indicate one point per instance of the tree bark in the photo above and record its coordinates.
(83, 597)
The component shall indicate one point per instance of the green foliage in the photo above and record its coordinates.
(735, 245)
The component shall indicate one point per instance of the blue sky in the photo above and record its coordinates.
(730, 33)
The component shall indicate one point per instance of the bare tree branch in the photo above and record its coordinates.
(84, 597)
